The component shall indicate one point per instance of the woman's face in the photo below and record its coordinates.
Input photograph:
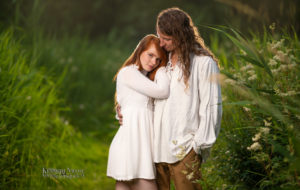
(150, 58)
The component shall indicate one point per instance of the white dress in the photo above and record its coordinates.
(131, 151)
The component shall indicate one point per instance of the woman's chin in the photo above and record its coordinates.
(148, 69)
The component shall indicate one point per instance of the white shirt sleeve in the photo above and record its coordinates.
(135, 80)
(210, 109)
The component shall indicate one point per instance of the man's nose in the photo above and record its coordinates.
(161, 43)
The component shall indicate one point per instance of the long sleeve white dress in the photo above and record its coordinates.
(131, 151)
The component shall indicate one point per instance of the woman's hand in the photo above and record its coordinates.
(120, 116)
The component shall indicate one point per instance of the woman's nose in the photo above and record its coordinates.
(153, 61)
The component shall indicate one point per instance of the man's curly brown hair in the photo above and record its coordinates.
(178, 24)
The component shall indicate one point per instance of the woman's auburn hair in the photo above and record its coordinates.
(142, 46)
(134, 58)
(178, 24)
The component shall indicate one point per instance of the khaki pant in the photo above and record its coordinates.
(184, 173)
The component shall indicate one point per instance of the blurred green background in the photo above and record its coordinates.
(58, 59)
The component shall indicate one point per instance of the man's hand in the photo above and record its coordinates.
(120, 116)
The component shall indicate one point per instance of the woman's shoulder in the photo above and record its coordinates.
(127, 71)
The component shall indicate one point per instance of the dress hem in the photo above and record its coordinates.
(130, 178)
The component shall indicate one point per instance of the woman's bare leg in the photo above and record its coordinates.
(122, 185)
(143, 184)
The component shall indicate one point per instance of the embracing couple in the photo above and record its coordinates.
(169, 108)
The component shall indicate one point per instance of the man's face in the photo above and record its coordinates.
(166, 42)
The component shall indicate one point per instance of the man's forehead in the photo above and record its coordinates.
(160, 35)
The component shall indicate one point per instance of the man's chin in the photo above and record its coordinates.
(168, 49)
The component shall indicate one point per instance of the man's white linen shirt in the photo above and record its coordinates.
(190, 117)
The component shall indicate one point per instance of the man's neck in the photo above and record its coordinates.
(174, 58)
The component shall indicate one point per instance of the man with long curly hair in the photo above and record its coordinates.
(186, 124)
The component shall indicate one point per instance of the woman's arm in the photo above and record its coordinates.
(134, 79)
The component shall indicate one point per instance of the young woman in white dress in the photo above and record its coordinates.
(130, 160)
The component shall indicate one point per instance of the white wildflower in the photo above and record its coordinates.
(255, 146)
(282, 56)
(272, 62)
(276, 57)
(276, 45)
(28, 98)
(274, 71)
(184, 172)
(289, 93)
(282, 67)
(265, 130)
(246, 109)
(182, 152)
(256, 137)
(230, 81)
(190, 176)
(253, 77)
(247, 67)
(243, 52)
(251, 72)
(267, 124)
(292, 57)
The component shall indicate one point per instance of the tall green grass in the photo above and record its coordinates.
(88, 86)
(30, 121)
(259, 141)
(35, 129)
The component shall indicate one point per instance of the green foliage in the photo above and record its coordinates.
(34, 134)
(137, 18)
(88, 68)
(29, 119)
(258, 144)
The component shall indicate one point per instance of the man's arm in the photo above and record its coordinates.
(210, 108)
